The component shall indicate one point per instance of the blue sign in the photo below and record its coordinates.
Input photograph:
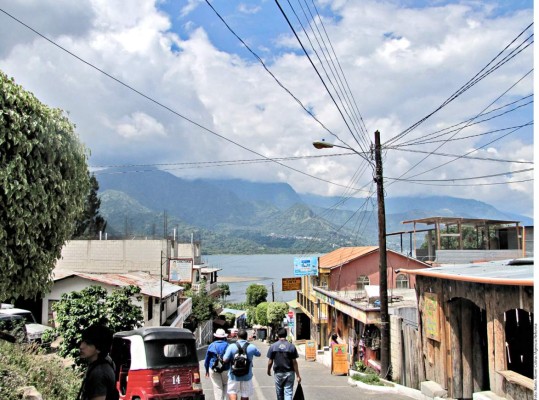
(304, 266)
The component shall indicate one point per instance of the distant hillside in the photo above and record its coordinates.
(235, 216)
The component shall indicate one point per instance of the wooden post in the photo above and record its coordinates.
(478, 349)
(467, 349)
(456, 349)
(460, 235)
(438, 237)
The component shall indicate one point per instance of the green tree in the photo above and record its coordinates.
(43, 184)
(256, 294)
(77, 311)
(276, 313)
(262, 314)
(90, 222)
(225, 291)
(203, 304)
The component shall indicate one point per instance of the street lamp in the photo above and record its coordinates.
(382, 266)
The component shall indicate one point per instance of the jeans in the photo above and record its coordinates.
(284, 385)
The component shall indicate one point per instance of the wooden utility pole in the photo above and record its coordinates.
(272, 292)
(384, 313)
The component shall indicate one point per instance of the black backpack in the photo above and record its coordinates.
(240, 362)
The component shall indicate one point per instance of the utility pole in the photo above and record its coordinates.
(272, 293)
(384, 313)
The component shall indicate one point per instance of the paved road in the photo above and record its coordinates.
(317, 382)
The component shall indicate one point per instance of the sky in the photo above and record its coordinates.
(165, 84)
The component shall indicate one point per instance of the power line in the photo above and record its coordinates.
(460, 156)
(158, 103)
(317, 72)
(469, 184)
(468, 123)
(271, 73)
(462, 179)
(474, 80)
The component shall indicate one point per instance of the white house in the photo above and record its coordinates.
(153, 289)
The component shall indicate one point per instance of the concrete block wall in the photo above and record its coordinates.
(395, 338)
(113, 256)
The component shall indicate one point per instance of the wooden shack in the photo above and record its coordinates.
(476, 327)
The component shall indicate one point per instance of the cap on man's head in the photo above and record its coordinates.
(100, 336)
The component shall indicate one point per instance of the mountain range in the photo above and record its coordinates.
(241, 217)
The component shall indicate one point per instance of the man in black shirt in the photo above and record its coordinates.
(282, 356)
(99, 382)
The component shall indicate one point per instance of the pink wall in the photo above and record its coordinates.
(345, 278)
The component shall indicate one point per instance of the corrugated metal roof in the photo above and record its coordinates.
(455, 220)
(344, 255)
(209, 270)
(501, 272)
(149, 284)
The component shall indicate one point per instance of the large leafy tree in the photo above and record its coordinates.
(90, 222)
(203, 304)
(43, 184)
(256, 294)
(262, 314)
(77, 311)
(276, 313)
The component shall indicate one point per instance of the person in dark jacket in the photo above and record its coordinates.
(218, 379)
(282, 356)
(99, 381)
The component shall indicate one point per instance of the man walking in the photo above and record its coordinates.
(219, 373)
(282, 355)
(240, 385)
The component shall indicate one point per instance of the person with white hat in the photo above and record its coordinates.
(214, 362)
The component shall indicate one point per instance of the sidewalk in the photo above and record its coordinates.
(317, 381)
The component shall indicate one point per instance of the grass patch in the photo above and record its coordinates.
(369, 379)
(28, 365)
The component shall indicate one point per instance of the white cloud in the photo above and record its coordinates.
(401, 63)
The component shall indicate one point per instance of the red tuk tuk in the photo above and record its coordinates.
(156, 363)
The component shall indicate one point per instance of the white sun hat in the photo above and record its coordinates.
(220, 333)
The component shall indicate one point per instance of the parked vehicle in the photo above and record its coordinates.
(157, 363)
(34, 331)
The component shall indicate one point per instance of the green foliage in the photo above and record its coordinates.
(251, 316)
(230, 319)
(369, 379)
(90, 223)
(256, 294)
(225, 291)
(203, 304)
(77, 311)
(276, 313)
(262, 314)
(43, 184)
(360, 366)
(24, 365)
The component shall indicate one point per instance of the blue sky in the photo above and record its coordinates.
(401, 59)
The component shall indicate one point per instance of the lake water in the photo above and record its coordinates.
(263, 268)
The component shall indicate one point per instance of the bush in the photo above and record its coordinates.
(369, 379)
(26, 365)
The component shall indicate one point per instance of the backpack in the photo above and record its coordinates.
(219, 364)
(240, 362)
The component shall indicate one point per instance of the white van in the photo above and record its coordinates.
(34, 331)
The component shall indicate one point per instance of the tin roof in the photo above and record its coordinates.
(517, 272)
(344, 255)
(463, 221)
(149, 284)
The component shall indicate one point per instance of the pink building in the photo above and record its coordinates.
(352, 268)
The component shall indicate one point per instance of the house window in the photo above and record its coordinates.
(519, 343)
(150, 308)
(362, 281)
(402, 281)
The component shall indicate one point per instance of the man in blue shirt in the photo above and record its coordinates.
(241, 385)
(219, 379)
(283, 355)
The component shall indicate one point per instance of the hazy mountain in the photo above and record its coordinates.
(235, 216)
